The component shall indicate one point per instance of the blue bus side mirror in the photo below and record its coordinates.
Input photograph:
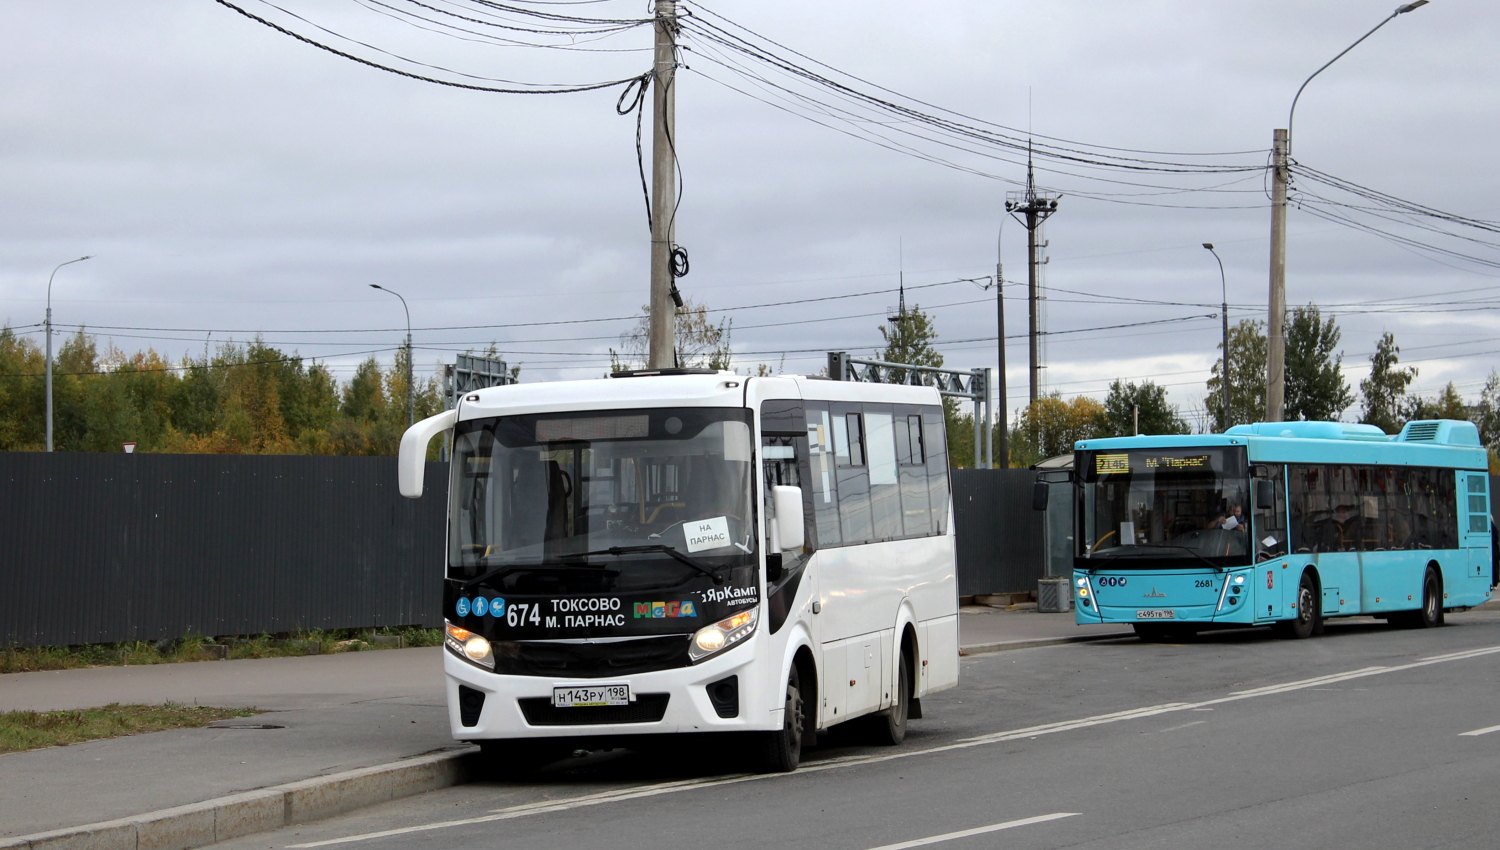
(1265, 495)
(1039, 496)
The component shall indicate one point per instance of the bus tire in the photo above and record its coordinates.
(1431, 614)
(781, 751)
(1309, 620)
(889, 727)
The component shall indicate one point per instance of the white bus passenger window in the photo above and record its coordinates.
(852, 477)
(882, 448)
(840, 441)
(885, 494)
(903, 441)
(821, 459)
(935, 450)
(916, 509)
(854, 439)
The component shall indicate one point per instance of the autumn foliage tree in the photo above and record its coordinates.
(241, 398)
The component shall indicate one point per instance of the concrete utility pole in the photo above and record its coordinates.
(1003, 419)
(1276, 312)
(48, 332)
(1031, 208)
(1276, 315)
(661, 347)
(1223, 314)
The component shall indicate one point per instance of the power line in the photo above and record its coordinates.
(535, 88)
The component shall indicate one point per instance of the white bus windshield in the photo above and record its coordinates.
(1141, 507)
(553, 494)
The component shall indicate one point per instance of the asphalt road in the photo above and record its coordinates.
(1356, 738)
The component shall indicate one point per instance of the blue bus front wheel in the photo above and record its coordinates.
(1309, 619)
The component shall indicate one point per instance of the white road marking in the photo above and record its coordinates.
(978, 830)
(1477, 732)
(548, 806)
(1175, 728)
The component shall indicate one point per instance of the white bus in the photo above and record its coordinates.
(692, 551)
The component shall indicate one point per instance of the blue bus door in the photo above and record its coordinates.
(1475, 524)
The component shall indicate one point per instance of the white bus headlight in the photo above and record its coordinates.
(725, 633)
(467, 645)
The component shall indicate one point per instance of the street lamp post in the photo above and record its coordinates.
(48, 331)
(1224, 315)
(1276, 317)
(411, 414)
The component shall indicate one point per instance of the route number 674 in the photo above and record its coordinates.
(521, 613)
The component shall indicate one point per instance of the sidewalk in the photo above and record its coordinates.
(336, 713)
(984, 629)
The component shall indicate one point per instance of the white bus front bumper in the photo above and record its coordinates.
(688, 706)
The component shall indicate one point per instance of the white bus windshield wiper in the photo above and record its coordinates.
(507, 569)
(670, 551)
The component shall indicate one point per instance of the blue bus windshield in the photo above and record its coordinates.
(1140, 507)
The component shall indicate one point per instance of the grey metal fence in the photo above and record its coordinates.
(99, 548)
(1001, 541)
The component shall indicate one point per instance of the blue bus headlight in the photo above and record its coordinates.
(469, 646)
(722, 635)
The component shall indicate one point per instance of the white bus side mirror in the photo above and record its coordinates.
(789, 519)
(413, 459)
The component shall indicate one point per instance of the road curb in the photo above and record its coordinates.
(1005, 645)
(238, 815)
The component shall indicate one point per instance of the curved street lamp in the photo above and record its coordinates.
(1400, 10)
(411, 415)
(1224, 314)
(48, 325)
(1281, 146)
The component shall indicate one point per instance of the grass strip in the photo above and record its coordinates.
(30, 730)
(191, 648)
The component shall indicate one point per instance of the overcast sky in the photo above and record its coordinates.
(232, 179)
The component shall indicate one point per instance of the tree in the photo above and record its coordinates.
(699, 343)
(22, 393)
(1486, 413)
(1448, 405)
(1126, 400)
(909, 338)
(73, 375)
(1247, 377)
(364, 397)
(1050, 426)
(1385, 389)
(1315, 385)
(242, 398)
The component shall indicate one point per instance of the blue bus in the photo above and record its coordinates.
(1282, 524)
